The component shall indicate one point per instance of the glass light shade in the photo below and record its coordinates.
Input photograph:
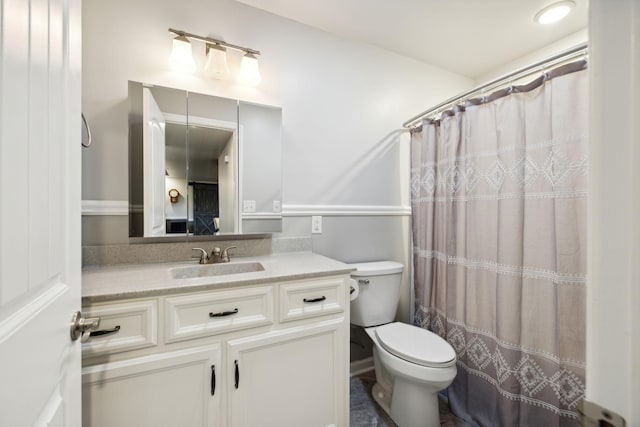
(554, 12)
(249, 70)
(181, 58)
(216, 66)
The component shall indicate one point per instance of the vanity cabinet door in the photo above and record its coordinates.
(179, 388)
(289, 378)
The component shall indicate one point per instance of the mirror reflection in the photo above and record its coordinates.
(205, 205)
(183, 168)
(189, 153)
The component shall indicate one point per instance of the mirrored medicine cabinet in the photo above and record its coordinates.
(202, 165)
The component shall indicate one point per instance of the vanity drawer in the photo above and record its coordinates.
(310, 299)
(199, 315)
(123, 327)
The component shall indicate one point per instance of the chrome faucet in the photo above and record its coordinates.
(216, 256)
(204, 256)
(224, 255)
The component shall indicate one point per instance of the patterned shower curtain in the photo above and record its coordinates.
(499, 234)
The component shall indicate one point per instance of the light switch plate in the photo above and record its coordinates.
(316, 224)
(248, 206)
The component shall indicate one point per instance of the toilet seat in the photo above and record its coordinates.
(376, 268)
(415, 345)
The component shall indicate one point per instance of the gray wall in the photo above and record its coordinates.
(343, 103)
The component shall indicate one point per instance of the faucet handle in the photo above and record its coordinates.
(204, 257)
(224, 255)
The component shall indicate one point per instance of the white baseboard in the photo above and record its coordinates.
(358, 367)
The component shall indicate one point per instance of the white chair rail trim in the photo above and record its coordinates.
(346, 210)
(121, 207)
(105, 207)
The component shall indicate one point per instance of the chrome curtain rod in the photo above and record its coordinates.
(209, 40)
(565, 55)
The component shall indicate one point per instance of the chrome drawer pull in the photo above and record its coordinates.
(103, 332)
(322, 298)
(224, 313)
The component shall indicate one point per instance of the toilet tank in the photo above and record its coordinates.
(379, 284)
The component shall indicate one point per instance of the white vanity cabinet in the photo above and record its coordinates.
(296, 375)
(272, 354)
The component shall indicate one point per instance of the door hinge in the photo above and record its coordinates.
(591, 414)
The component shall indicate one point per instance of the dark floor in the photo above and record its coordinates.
(365, 412)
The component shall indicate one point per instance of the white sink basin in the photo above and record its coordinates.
(212, 270)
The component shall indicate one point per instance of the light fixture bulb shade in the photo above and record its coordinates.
(181, 58)
(554, 12)
(249, 70)
(216, 66)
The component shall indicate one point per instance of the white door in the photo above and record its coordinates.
(40, 66)
(154, 166)
(613, 286)
(227, 187)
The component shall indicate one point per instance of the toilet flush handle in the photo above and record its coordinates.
(354, 289)
(363, 281)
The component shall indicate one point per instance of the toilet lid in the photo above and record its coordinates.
(415, 345)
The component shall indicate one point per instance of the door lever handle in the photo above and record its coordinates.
(81, 326)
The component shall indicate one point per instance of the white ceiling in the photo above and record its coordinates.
(468, 37)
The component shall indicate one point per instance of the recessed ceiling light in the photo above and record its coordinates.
(554, 12)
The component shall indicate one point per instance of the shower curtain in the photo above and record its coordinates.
(499, 234)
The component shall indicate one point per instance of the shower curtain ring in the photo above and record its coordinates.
(545, 74)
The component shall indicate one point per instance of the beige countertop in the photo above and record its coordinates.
(107, 283)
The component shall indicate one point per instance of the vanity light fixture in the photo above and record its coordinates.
(216, 66)
(216, 51)
(554, 12)
(181, 58)
(249, 70)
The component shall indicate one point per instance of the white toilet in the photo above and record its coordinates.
(412, 364)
